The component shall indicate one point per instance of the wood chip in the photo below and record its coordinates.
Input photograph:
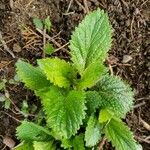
(126, 59)
(9, 142)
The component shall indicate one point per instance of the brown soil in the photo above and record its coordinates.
(130, 21)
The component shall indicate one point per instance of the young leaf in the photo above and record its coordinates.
(57, 71)
(91, 75)
(65, 111)
(120, 135)
(105, 115)
(44, 145)
(93, 132)
(91, 40)
(78, 142)
(115, 95)
(33, 77)
(92, 101)
(29, 131)
(38, 23)
(48, 48)
(48, 24)
(24, 146)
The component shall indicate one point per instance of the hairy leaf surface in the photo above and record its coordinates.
(92, 101)
(116, 95)
(91, 40)
(93, 132)
(120, 135)
(33, 77)
(44, 145)
(58, 71)
(65, 110)
(30, 131)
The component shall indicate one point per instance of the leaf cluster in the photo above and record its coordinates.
(81, 101)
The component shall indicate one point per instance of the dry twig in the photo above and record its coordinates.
(86, 6)
(5, 46)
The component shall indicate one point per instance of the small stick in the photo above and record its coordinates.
(80, 5)
(131, 28)
(5, 46)
(139, 105)
(51, 39)
(69, 6)
(61, 47)
(11, 116)
(86, 6)
(145, 124)
(44, 42)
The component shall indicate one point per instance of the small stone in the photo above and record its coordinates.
(126, 59)
(16, 48)
(9, 142)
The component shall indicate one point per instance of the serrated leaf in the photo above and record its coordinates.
(93, 132)
(115, 94)
(38, 23)
(65, 110)
(120, 135)
(78, 142)
(92, 101)
(57, 71)
(48, 48)
(66, 143)
(91, 75)
(44, 145)
(48, 24)
(91, 40)
(33, 77)
(29, 131)
(24, 146)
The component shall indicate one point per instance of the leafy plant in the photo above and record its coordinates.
(81, 101)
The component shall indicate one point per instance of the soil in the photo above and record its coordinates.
(129, 56)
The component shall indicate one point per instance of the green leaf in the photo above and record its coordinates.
(66, 143)
(91, 40)
(48, 48)
(92, 101)
(105, 115)
(31, 76)
(48, 24)
(24, 146)
(115, 95)
(44, 145)
(38, 23)
(91, 75)
(93, 132)
(57, 71)
(7, 103)
(78, 142)
(2, 85)
(120, 135)
(29, 131)
(65, 110)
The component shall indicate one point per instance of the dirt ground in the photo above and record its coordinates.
(129, 56)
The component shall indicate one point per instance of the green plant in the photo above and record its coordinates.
(81, 101)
